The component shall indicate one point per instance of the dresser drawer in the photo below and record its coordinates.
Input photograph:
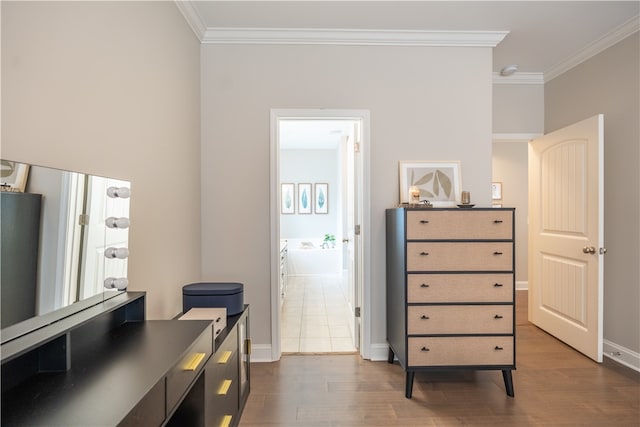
(185, 371)
(459, 319)
(462, 224)
(460, 256)
(460, 351)
(460, 287)
(222, 389)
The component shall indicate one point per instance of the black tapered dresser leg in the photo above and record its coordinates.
(390, 356)
(508, 381)
(409, 385)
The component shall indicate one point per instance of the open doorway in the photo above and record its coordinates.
(319, 289)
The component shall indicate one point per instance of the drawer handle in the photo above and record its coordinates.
(424, 317)
(497, 253)
(498, 348)
(424, 285)
(424, 221)
(194, 361)
(218, 332)
(424, 253)
(224, 387)
(497, 285)
(424, 349)
(497, 221)
(224, 358)
(226, 421)
(497, 316)
(218, 319)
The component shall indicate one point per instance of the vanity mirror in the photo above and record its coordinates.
(64, 244)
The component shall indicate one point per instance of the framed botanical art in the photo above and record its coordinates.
(305, 198)
(438, 182)
(287, 198)
(321, 192)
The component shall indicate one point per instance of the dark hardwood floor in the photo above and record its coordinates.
(554, 386)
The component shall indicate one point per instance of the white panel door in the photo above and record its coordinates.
(566, 235)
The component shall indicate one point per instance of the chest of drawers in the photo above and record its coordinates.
(450, 290)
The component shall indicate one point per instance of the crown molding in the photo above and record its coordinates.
(518, 79)
(323, 36)
(613, 37)
(515, 137)
(192, 16)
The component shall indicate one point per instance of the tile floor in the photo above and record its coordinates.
(315, 317)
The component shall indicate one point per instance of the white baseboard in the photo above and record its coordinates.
(622, 355)
(522, 285)
(261, 353)
(379, 352)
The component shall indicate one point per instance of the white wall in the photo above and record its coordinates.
(518, 109)
(608, 83)
(424, 103)
(112, 89)
(311, 166)
(510, 167)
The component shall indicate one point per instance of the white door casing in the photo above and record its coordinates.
(362, 196)
(566, 235)
(354, 221)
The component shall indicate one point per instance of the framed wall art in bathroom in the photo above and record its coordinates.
(321, 193)
(305, 198)
(287, 198)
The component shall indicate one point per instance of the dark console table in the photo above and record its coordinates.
(107, 366)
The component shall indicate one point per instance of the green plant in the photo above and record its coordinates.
(329, 241)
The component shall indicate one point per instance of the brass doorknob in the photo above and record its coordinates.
(589, 250)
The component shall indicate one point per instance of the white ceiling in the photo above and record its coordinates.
(319, 134)
(544, 38)
(542, 34)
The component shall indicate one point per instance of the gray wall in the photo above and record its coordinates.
(112, 89)
(609, 84)
(518, 109)
(510, 167)
(418, 98)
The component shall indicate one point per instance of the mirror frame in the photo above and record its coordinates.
(32, 324)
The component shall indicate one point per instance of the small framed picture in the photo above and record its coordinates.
(305, 198)
(496, 190)
(287, 198)
(321, 192)
(13, 176)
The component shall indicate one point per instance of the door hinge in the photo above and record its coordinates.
(356, 147)
(356, 230)
(357, 313)
(83, 219)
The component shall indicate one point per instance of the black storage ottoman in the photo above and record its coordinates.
(214, 294)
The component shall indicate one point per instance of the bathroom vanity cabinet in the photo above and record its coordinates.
(108, 366)
(450, 290)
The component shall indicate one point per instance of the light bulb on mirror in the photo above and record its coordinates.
(122, 192)
(120, 253)
(119, 283)
(113, 222)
